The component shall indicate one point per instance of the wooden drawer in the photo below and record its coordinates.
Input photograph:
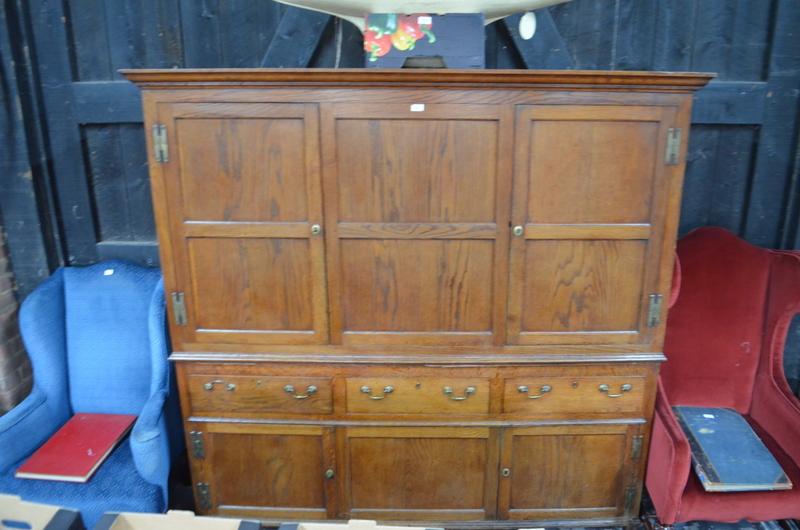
(253, 393)
(418, 395)
(544, 394)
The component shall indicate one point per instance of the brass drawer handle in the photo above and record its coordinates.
(625, 388)
(544, 390)
(310, 390)
(228, 386)
(449, 392)
(386, 390)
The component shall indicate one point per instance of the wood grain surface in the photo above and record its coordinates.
(555, 470)
(407, 232)
(418, 396)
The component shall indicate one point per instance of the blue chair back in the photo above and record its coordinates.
(106, 319)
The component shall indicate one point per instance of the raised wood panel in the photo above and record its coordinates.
(582, 285)
(252, 284)
(243, 169)
(416, 171)
(242, 190)
(591, 199)
(383, 281)
(399, 175)
(591, 171)
(280, 471)
(418, 471)
(560, 471)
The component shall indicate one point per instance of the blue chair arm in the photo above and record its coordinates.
(149, 424)
(149, 443)
(27, 426)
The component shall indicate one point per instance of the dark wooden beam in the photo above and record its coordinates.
(24, 201)
(730, 103)
(770, 191)
(296, 39)
(107, 102)
(791, 234)
(143, 253)
(341, 42)
(546, 50)
(65, 154)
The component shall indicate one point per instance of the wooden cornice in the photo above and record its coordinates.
(419, 78)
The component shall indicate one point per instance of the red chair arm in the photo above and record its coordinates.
(773, 406)
(778, 411)
(669, 462)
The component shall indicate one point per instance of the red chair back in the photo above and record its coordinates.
(715, 329)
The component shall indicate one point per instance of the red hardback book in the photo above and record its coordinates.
(78, 448)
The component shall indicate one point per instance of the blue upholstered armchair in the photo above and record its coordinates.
(96, 339)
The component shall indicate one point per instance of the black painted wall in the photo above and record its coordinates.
(73, 177)
(23, 201)
(73, 125)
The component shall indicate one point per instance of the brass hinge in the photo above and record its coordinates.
(636, 446)
(198, 448)
(160, 143)
(654, 313)
(204, 495)
(179, 309)
(630, 497)
(673, 146)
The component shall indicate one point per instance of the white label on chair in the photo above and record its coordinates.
(418, 107)
(108, 272)
(427, 21)
(709, 416)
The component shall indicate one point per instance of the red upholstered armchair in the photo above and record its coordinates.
(724, 347)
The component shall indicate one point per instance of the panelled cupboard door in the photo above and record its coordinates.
(589, 207)
(419, 473)
(417, 200)
(245, 205)
(564, 472)
(271, 472)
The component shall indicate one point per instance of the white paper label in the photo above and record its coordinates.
(108, 272)
(424, 20)
(418, 107)
(709, 416)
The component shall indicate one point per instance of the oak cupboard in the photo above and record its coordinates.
(419, 296)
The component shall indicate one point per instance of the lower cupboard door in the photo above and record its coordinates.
(271, 472)
(420, 473)
(565, 472)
